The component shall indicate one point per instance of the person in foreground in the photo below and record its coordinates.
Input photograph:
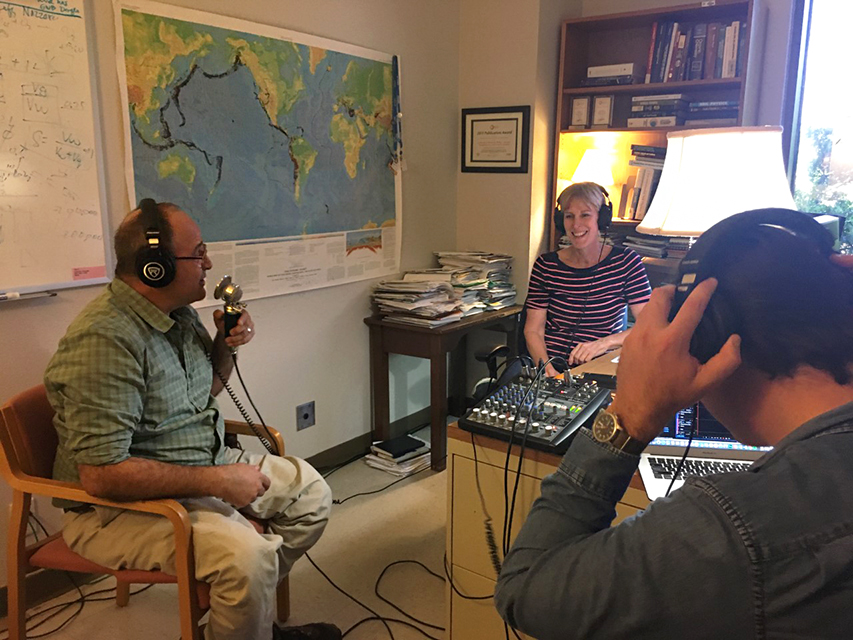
(765, 553)
(577, 296)
(133, 389)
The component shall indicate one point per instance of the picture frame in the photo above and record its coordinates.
(580, 113)
(496, 139)
(602, 111)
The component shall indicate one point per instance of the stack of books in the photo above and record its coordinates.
(716, 113)
(650, 246)
(679, 51)
(401, 456)
(424, 304)
(662, 110)
(495, 268)
(650, 161)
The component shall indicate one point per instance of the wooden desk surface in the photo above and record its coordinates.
(461, 325)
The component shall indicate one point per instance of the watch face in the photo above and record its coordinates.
(604, 426)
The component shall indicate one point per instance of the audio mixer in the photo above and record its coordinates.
(552, 415)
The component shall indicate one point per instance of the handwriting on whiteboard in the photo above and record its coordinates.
(50, 204)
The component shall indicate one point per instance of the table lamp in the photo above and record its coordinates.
(711, 174)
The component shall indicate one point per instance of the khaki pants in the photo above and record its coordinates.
(242, 567)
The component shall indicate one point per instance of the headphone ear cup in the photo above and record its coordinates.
(718, 323)
(155, 267)
(605, 215)
(559, 222)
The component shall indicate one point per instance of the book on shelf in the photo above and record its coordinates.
(679, 58)
(660, 98)
(646, 162)
(646, 250)
(721, 47)
(697, 52)
(711, 50)
(605, 70)
(637, 149)
(670, 51)
(709, 104)
(647, 109)
(741, 46)
(714, 122)
(651, 57)
(606, 81)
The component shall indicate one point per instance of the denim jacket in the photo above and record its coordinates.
(764, 553)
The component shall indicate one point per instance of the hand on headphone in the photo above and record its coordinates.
(241, 334)
(657, 376)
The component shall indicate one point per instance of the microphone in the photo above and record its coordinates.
(230, 294)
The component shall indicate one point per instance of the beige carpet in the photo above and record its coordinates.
(404, 522)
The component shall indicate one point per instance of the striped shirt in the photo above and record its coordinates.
(129, 380)
(586, 304)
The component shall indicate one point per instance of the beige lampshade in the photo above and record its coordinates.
(711, 174)
(595, 166)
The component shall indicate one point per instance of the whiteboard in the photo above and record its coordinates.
(53, 228)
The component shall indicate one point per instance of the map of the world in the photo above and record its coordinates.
(260, 137)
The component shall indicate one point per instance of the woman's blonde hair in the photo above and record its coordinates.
(590, 192)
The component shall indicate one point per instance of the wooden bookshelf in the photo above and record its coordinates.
(626, 37)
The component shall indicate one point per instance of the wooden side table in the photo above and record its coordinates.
(388, 337)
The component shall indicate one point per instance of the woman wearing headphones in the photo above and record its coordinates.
(577, 295)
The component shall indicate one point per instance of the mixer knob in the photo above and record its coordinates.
(493, 417)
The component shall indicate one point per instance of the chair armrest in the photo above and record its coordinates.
(242, 429)
(167, 507)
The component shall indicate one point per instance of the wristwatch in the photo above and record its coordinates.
(606, 428)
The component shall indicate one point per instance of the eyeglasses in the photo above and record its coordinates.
(202, 249)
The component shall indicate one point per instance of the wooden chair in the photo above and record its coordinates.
(28, 444)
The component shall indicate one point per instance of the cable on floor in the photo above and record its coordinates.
(368, 493)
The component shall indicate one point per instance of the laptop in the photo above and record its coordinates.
(713, 450)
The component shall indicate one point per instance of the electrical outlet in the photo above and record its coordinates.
(305, 416)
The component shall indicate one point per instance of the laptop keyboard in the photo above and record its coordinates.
(665, 467)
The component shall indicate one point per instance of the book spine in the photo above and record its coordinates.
(711, 50)
(721, 47)
(730, 52)
(717, 122)
(643, 203)
(659, 97)
(713, 103)
(670, 54)
(638, 189)
(604, 81)
(697, 58)
(653, 108)
(663, 29)
(680, 57)
(651, 56)
(626, 69)
(741, 49)
(652, 123)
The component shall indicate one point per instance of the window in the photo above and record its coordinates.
(822, 153)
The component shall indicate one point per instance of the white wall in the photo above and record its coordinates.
(313, 345)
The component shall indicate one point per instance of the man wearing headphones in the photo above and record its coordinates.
(759, 329)
(133, 390)
(576, 301)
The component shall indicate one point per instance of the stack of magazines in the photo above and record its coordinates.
(495, 268)
(428, 303)
(468, 285)
(401, 456)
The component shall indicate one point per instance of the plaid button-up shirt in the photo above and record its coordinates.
(130, 381)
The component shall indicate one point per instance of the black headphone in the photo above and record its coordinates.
(704, 259)
(155, 264)
(605, 214)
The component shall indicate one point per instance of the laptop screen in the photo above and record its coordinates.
(709, 433)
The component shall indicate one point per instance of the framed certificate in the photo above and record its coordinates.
(496, 140)
(602, 111)
(580, 113)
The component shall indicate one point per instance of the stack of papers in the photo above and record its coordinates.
(401, 456)
(467, 284)
(422, 303)
(494, 268)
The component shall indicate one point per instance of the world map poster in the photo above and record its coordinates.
(282, 146)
